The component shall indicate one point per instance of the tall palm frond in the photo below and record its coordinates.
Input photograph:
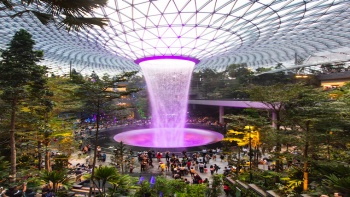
(56, 177)
(341, 184)
(44, 18)
(77, 23)
(73, 15)
(7, 4)
(74, 8)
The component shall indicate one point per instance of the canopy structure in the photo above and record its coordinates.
(260, 33)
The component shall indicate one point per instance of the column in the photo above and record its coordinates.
(221, 114)
(274, 119)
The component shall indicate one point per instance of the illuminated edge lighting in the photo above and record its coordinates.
(138, 61)
(301, 76)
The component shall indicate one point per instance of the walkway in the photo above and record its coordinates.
(155, 171)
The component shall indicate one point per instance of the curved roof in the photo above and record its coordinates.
(260, 33)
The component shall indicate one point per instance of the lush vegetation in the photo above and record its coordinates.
(305, 131)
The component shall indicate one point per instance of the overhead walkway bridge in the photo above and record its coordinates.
(233, 103)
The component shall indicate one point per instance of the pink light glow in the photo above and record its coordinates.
(145, 137)
(168, 82)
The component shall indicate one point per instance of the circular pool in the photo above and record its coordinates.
(168, 137)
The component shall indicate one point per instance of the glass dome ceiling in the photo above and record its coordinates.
(260, 33)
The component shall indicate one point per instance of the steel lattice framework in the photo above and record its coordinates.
(260, 33)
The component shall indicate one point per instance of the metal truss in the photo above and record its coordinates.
(260, 33)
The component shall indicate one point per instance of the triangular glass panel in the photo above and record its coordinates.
(206, 6)
(161, 44)
(188, 32)
(161, 5)
(119, 4)
(190, 7)
(169, 41)
(204, 19)
(148, 34)
(186, 16)
(163, 22)
(170, 18)
(186, 42)
(176, 44)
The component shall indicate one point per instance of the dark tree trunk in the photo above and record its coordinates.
(95, 149)
(13, 171)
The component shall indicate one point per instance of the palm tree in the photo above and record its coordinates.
(56, 177)
(69, 14)
(106, 174)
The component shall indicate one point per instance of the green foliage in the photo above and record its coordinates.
(4, 168)
(210, 83)
(20, 80)
(57, 177)
(120, 152)
(240, 72)
(61, 162)
(338, 183)
(18, 66)
(121, 184)
(335, 177)
(216, 186)
(170, 187)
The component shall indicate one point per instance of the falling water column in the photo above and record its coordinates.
(168, 82)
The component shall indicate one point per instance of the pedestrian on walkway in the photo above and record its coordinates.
(216, 168)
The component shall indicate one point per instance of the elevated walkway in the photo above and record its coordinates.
(232, 103)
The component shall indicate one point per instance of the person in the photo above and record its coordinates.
(78, 175)
(222, 157)
(98, 150)
(143, 166)
(226, 171)
(29, 193)
(162, 166)
(189, 163)
(159, 156)
(216, 168)
(47, 191)
(206, 181)
(212, 169)
(192, 172)
(14, 191)
(201, 167)
(226, 189)
(131, 168)
(167, 156)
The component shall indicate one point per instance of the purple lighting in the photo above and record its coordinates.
(168, 81)
(191, 138)
(194, 60)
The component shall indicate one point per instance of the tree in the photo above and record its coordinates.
(74, 15)
(276, 97)
(56, 177)
(96, 95)
(120, 152)
(19, 74)
(121, 183)
(209, 83)
(240, 72)
(305, 112)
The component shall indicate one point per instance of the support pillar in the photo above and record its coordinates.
(274, 119)
(221, 114)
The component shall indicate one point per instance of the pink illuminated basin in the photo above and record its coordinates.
(165, 138)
